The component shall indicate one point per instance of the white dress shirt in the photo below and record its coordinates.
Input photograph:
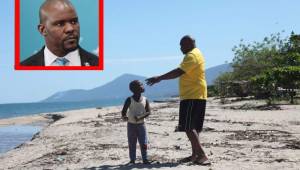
(73, 58)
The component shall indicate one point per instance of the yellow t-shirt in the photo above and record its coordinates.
(192, 84)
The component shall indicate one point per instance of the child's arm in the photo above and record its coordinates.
(125, 108)
(148, 111)
(147, 107)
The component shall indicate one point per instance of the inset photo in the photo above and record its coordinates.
(59, 35)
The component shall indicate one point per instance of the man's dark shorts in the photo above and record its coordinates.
(191, 115)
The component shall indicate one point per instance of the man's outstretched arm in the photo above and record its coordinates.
(169, 75)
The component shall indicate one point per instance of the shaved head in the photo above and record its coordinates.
(187, 39)
(48, 5)
(187, 43)
(59, 24)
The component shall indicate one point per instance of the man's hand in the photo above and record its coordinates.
(177, 72)
(152, 80)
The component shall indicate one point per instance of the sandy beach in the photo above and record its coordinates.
(237, 135)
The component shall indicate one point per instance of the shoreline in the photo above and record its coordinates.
(96, 139)
(45, 117)
(29, 122)
(17, 131)
(24, 120)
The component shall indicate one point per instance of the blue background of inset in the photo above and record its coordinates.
(32, 41)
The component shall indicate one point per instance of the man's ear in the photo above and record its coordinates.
(42, 30)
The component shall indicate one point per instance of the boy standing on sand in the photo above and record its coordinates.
(139, 109)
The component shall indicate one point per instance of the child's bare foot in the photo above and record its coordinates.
(146, 161)
(132, 162)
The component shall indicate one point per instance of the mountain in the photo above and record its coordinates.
(119, 88)
(213, 72)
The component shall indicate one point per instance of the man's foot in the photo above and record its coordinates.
(185, 160)
(194, 158)
(191, 158)
(202, 161)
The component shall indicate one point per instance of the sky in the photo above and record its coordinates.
(142, 38)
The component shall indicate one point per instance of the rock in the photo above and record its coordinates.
(56, 117)
(177, 147)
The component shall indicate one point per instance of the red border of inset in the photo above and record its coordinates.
(100, 41)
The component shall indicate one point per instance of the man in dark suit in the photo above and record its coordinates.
(61, 30)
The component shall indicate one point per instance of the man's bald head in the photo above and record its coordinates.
(49, 5)
(60, 26)
(187, 43)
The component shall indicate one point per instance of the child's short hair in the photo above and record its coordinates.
(133, 84)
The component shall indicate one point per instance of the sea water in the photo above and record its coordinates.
(12, 136)
(25, 109)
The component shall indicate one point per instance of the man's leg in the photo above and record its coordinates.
(196, 146)
(189, 121)
(194, 155)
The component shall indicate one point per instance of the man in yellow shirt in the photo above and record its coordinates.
(193, 95)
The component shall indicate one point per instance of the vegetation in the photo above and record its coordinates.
(269, 69)
(212, 91)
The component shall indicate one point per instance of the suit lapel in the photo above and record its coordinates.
(41, 58)
(83, 58)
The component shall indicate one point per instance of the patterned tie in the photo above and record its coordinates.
(61, 61)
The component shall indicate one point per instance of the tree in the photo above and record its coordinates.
(287, 72)
(252, 59)
(267, 67)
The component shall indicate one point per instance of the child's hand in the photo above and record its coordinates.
(124, 118)
(136, 118)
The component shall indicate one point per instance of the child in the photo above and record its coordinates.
(139, 108)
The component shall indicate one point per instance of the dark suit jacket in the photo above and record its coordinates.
(85, 57)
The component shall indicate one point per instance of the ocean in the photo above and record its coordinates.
(12, 136)
(25, 109)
